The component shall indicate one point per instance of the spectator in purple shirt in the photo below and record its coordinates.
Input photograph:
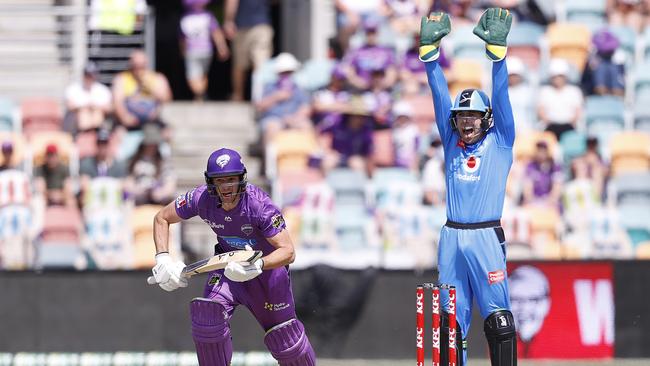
(412, 75)
(350, 141)
(199, 28)
(379, 100)
(283, 104)
(543, 178)
(329, 103)
(371, 56)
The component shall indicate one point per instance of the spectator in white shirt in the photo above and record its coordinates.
(87, 102)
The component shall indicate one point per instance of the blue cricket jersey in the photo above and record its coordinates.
(475, 174)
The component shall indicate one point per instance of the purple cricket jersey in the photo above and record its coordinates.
(367, 58)
(255, 218)
(196, 30)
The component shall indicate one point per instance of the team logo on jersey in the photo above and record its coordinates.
(222, 160)
(277, 221)
(181, 201)
(228, 219)
(247, 229)
(472, 164)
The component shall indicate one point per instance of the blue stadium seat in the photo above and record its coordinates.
(350, 224)
(525, 34)
(573, 144)
(642, 117)
(466, 44)
(604, 115)
(588, 12)
(642, 82)
(7, 108)
(59, 255)
(627, 40)
(632, 188)
(349, 186)
(315, 74)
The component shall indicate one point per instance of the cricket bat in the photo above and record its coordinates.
(219, 261)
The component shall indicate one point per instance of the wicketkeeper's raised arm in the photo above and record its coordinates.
(432, 29)
(493, 29)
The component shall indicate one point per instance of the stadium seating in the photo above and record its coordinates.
(573, 144)
(21, 150)
(40, 114)
(383, 153)
(569, 41)
(350, 222)
(290, 150)
(524, 147)
(63, 141)
(142, 227)
(590, 13)
(291, 184)
(349, 186)
(62, 224)
(465, 74)
(7, 115)
(314, 74)
(627, 40)
(524, 42)
(465, 44)
(630, 152)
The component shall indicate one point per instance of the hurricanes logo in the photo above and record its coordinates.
(222, 160)
(472, 163)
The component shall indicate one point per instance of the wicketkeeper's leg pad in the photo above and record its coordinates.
(502, 338)
(288, 343)
(461, 344)
(211, 332)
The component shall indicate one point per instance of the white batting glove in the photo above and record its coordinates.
(244, 271)
(167, 273)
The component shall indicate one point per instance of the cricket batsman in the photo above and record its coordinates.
(477, 140)
(242, 216)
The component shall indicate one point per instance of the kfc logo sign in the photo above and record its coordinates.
(496, 276)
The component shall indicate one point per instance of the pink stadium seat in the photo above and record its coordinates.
(41, 114)
(383, 151)
(62, 225)
(86, 144)
(293, 182)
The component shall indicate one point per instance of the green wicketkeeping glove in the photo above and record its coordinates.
(493, 28)
(432, 29)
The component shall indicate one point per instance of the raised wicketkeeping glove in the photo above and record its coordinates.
(493, 28)
(432, 29)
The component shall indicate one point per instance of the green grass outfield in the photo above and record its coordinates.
(485, 362)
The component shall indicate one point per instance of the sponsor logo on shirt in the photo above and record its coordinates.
(213, 225)
(277, 221)
(247, 229)
(181, 201)
(496, 276)
(237, 242)
(214, 279)
(275, 307)
(472, 164)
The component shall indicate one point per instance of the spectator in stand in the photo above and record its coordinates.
(596, 168)
(463, 12)
(248, 24)
(283, 104)
(103, 164)
(349, 143)
(199, 28)
(604, 73)
(412, 74)
(361, 62)
(379, 100)
(151, 179)
(405, 137)
(521, 94)
(139, 93)
(433, 174)
(403, 15)
(629, 13)
(351, 14)
(329, 103)
(7, 156)
(543, 179)
(560, 104)
(87, 103)
(53, 180)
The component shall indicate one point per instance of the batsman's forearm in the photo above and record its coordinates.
(279, 258)
(161, 234)
(231, 10)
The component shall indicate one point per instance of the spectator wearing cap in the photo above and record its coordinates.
(405, 136)
(283, 104)
(7, 156)
(139, 93)
(351, 14)
(349, 143)
(604, 73)
(102, 164)
(560, 104)
(521, 94)
(87, 103)
(53, 180)
(361, 62)
(543, 178)
(198, 30)
(329, 103)
(151, 179)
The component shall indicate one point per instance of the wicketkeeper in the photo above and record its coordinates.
(242, 216)
(477, 140)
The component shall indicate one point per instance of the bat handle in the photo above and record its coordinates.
(151, 280)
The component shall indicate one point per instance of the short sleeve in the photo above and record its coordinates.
(187, 204)
(271, 221)
(214, 24)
